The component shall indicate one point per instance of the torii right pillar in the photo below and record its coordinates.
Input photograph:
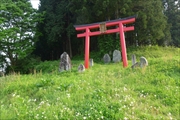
(123, 45)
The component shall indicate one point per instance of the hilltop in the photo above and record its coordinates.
(104, 91)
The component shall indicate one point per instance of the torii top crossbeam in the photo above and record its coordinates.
(103, 29)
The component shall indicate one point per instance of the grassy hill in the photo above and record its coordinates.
(104, 91)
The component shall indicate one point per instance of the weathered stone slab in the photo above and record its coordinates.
(143, 62)
(65, 62)
(135, 65)
(81, 68)
(107, 58)
(116, 56)
(91, 62)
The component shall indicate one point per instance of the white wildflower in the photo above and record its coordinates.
(68, 95)
(125, 88)
(125, 118)
(169, 114)
(78, 114)
(14, 94)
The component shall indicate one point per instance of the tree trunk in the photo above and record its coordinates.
(70, 49)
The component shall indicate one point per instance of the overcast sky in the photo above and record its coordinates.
(35, 3)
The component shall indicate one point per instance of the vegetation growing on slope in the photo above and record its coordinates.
(105, 91)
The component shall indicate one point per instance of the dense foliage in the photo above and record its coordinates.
(157, 23)
(172, 11)
(152, 26)
(17, 29)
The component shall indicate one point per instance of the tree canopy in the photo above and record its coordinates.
(172, 11)
(17, 29)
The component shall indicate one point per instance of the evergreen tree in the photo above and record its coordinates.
(102, 10)
(172, 11)
(57, 29)
(151, 22)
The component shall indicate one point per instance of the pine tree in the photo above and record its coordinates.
(57, 29)
(151, 22)
(172, 11)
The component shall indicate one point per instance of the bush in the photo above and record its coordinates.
(108, 44)
(24, 66)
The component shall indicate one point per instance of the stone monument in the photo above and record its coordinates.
(107, 58)
(91, 62)
(135, 65)
(81, 68)
(143, 62)
(133, 59)
(65, 62)
(116, 56)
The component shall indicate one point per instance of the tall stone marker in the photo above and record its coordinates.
(134, 63)
(116, 56)
(107, 58)
(91, 62)
(65, 62)
(133, 59)
(143, 62)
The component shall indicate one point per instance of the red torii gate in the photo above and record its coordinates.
(102, 27)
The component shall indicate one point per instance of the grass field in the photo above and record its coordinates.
(104, 91)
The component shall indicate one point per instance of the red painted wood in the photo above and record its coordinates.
(125, 29)
(123, 45)
(86, 63)
(108, 23)
(128, 28)
(119, 23)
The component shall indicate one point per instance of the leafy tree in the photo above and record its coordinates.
(17, 29)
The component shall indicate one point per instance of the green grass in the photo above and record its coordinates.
(104, 91)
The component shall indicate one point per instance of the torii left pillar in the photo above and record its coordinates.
(102, 30)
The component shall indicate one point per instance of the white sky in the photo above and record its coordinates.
(35, 3)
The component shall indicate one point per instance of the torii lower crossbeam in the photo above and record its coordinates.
(102, 29)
